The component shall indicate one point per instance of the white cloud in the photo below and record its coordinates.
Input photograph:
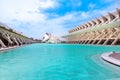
(45, 4)
(16, 13)
(91, 5)
(25, 10)
(26, 16)
(22, 10)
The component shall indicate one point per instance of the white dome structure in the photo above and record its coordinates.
(48, 38)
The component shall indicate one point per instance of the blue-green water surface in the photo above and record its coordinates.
(57, 62)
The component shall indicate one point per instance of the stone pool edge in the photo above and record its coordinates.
(112, 60)
(9, 48)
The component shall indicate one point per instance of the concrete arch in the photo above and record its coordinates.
(111, 16)
(104, 19)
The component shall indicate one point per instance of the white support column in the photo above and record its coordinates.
(2, 44)
(104, 19)
(19, 41)
(98, 21)
(93, 23)
(7, 37)
(111, 16)
(118, 12)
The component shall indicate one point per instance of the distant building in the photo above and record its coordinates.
(48, 38)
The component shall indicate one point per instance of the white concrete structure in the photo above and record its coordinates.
(9, 38)
(104, 30)
(48, 38)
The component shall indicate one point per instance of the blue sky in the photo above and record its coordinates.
(36, 17)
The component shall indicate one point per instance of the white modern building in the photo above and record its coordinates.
(48, 38)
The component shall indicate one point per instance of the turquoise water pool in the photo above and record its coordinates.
(57, 62)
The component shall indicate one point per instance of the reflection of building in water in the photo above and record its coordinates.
(48, 38)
